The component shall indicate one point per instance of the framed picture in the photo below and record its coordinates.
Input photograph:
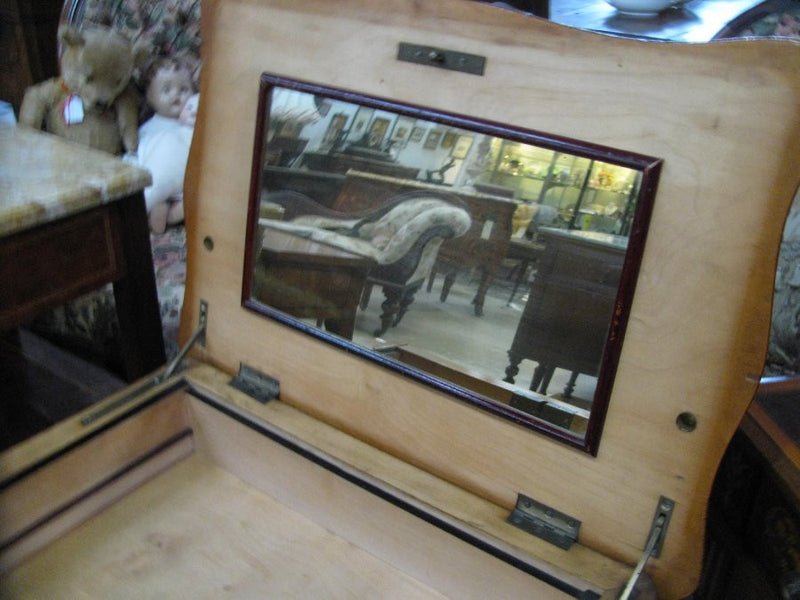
(338, 121)
(360, 121)
(289, 129)
(449, 139)
(432, 141)
(416, 134)
(461, 146)
(402, 131)
(377, 132)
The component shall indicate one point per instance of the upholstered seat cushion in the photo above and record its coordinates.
(386, 239)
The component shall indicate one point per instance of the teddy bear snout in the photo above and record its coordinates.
(94, 98)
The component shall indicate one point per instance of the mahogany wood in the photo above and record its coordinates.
(53, 263)
(566, 318)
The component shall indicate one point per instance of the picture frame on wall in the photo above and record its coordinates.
(360, 122)
(461, 146)
(432, 140)
(417, 134)
(401, 131)
(377, 132)
(449, 139)
(334, 131)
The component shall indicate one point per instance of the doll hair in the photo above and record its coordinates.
(174, 63)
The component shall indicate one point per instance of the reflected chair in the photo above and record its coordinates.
(402, 237)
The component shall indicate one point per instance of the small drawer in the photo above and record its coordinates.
(54, 263)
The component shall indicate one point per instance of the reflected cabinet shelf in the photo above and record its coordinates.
(589, 194)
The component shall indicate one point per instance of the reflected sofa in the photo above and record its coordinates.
(402, 237)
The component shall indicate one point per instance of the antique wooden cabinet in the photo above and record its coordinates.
(364, 478)
(565, 320)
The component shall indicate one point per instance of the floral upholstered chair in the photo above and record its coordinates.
(89, 324)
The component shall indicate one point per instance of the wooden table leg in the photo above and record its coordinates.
(141, 335)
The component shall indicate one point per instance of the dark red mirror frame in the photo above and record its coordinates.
(649, 167)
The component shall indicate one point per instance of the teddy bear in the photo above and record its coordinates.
(94, 102)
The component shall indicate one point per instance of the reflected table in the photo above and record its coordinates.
(308, 279)
(71, 220)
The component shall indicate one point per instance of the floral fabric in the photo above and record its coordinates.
(169, 27)
(782, 24)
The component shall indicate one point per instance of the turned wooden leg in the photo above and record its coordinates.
(390, 307)
(405, 301)
(480, 296)
(513, 366)
(448, 283)
(365, 296)
(523, 268)
(431, 278)
(570, 387)
(541, 378)
(548, 375)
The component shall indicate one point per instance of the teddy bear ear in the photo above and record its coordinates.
(71, 36)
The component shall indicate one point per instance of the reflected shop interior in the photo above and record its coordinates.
(494, 262)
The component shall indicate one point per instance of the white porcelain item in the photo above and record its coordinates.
(642, 8)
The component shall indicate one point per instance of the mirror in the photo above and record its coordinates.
(494, 262)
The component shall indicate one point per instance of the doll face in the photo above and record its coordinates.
(169, 90)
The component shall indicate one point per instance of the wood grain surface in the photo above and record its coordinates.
(722, 116)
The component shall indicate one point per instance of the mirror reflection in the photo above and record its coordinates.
(480, 256)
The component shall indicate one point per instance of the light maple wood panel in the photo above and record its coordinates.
(459, 569)
(197, 531)
(722, 116)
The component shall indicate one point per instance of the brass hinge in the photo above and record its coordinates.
(256, 384)
(545, 522)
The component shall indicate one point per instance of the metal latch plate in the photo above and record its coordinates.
(545, 522)
(256, 384)
(441, 58)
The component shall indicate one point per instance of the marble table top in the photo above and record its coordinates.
(44, 178)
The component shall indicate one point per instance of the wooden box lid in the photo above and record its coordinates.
(723, 117)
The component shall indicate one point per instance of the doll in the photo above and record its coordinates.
(165, 138)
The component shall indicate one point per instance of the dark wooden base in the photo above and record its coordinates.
(41, 384)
